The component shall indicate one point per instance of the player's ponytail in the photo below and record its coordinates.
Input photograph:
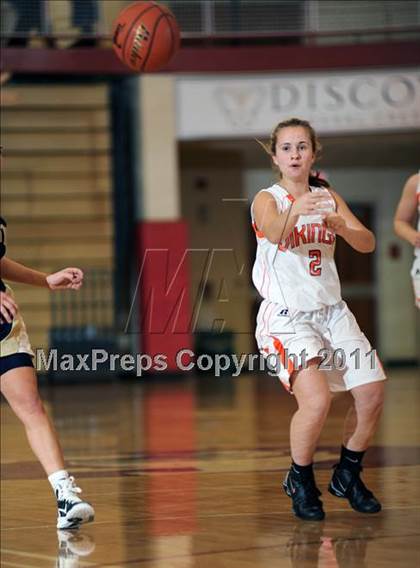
(315, 180)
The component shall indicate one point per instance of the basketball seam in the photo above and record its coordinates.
(152, 38)
(168, 16)
(127, 37)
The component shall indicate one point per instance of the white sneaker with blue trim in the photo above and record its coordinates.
(72, 511)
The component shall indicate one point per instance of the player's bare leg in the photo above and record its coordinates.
(360, 426)
(313, 397)
(363, 417)
(19, 386)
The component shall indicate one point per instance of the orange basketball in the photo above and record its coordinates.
(145, 36)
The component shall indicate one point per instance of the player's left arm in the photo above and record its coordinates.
(348, 226)
(71, 278)
(406, 212)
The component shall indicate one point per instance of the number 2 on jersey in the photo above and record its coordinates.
(315, 264)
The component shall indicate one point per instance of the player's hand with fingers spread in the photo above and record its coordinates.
(8, 308)
(309, 204)
(68, 278)
(335, 222)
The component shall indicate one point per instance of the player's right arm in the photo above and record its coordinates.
(68, 278)
(277, 226)
(406, 211)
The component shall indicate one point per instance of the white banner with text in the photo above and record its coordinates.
(334, 102)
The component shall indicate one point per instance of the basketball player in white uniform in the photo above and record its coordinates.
(303, 325)
(407, 209)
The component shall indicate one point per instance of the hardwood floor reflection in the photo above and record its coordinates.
(187, 473)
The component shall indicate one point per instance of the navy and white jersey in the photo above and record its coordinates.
(13, 336)
(3, 226)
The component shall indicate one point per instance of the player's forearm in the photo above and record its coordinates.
(281, 227)
(360, 240)
(405, 231)
(16, 272)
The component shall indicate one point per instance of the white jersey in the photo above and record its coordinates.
(417, 249)
(299, 273)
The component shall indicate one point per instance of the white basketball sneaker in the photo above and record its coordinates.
(72, 511)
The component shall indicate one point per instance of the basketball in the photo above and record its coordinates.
(145, 36)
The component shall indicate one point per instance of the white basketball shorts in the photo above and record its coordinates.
(290, 340)
(415, 275)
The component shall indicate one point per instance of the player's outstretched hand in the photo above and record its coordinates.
(335, 222)
(8, 308)
(310, 203)
(68, 278)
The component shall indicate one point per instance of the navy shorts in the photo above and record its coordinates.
(15, 361)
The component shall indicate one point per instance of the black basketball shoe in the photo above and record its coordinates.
(347, 483)
(305, 496)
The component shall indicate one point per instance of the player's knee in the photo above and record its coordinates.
(371, 399)
(318, 404)
(29, 408)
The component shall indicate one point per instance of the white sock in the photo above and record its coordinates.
(57, 477)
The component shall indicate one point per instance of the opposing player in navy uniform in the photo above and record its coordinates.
(19, 382)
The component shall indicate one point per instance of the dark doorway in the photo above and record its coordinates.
(357, 276)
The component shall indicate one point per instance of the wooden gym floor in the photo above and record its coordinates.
(187, 473)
